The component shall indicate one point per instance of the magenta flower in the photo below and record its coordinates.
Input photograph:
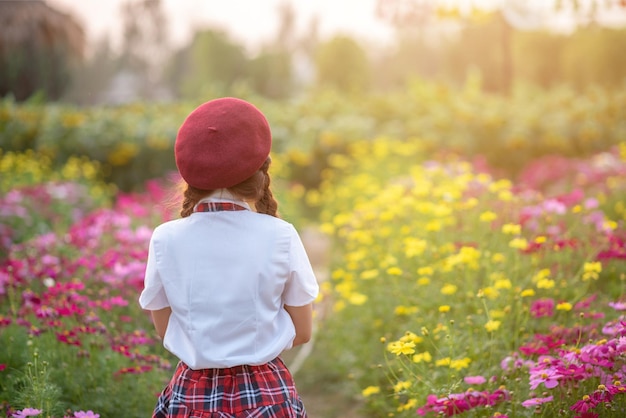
(587, 415)
(584, 405)
(542, 307)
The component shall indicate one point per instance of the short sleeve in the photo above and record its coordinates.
(153, 296)
(301, 288)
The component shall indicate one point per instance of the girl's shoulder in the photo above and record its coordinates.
(169, 225)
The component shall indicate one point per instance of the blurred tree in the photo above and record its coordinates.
(144, 47)
(406, 13)
(532, 49)
(342, 64)
(270, 72)
(38, 48)
(515, 41)
(94, 75)
(211, 62)
(590, 12)
(595, 55)
(482, 46)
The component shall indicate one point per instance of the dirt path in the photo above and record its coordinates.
(319, 404)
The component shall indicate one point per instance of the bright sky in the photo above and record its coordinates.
(248, 21)
(251, 22)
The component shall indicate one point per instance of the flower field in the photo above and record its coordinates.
(74, 342)
(452, 290)
(456, 293)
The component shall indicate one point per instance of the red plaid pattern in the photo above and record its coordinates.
(265, 391)
(217, 207)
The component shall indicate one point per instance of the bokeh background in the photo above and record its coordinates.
(456, 169)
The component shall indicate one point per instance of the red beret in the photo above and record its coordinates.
(222, 143)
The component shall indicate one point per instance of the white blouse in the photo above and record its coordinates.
(227, 276)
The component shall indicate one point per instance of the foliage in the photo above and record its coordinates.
(37, 199)
(352, 75)
(212, 59)
(73, 334)
(456, 291)
(134, 143)
(39, 46)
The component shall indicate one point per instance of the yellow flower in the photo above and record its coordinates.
(401, 347)
(460, 363)
(490, 292)
(488, 216)
(511, 229)
(402, 310)
(423, 281)
(444, 308)
(545, 284)
(369, 274)
(518, 243)
(491, 325)
(592, 270)
(123, 153)
(409, 405)
(564, 306)
(498, 258)
(425, 271)
(422, 357)
(449, 289)
(357, 298)
(370, 390)
(503, 184)
(411, 337)
(414, 246)
(527, 293)
(394, 271)
(540, 239)
(443, 362)
(401, 386)
(503, 284)
(505, 195)
(541, 275)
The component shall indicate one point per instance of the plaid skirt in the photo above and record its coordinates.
(261, 391)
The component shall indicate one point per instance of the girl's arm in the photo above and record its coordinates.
(160, 319)
(302, 317)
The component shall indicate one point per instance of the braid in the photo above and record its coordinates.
(191, 197)
(267, 204)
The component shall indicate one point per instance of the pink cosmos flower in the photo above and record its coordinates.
(529, 403)
(88, 414)
(618, 306)
(474, 380)
(27, 412)
(549, 377)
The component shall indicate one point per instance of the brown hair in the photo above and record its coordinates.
(256, 188)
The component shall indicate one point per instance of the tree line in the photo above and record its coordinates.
(43, 53)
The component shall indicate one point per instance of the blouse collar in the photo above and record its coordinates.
(224, 195)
